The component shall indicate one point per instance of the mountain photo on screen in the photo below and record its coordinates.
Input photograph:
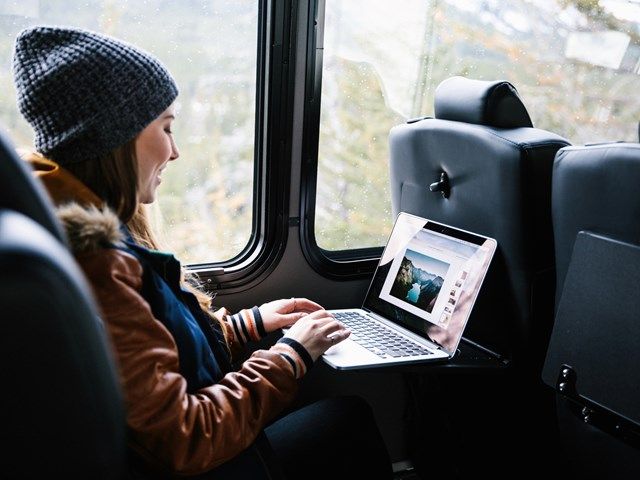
(419, 280)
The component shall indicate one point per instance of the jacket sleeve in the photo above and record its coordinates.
(185, 433)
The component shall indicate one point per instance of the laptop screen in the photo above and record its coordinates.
(429, 277)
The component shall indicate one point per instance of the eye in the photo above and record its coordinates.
(168, 130)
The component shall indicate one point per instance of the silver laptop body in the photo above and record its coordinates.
(419, 299)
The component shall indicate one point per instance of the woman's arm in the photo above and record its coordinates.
(255, 323)
(185, 433)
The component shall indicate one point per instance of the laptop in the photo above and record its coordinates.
(419, 299)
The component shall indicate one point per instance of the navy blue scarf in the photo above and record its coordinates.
(201, 346)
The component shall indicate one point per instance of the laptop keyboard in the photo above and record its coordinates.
(379, 339)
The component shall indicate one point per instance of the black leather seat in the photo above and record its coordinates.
(480, 165)
(498, 169)
(595, 188)
(62, 412)
(596, 219)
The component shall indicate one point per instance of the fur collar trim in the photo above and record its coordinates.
(89, 228)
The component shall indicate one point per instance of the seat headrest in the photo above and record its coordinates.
(491, 103)
(53, 336)
(21, 192)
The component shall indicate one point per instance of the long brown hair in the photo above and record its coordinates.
(114, 178)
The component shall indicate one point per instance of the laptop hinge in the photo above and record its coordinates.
(594, 414)
(497, 356)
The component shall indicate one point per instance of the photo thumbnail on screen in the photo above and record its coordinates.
(419, 280)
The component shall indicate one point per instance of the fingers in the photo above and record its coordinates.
(291, 318)
(329, 332)
(332, 333)
(305, 305)
(313, 320)
(317, 332)
(327, 329)
(321, 322)
(338, 336)
(288, 319)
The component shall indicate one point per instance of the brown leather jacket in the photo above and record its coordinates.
(180, 432)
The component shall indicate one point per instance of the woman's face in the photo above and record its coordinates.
(155, 148)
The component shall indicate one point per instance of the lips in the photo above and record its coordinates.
(159, 176)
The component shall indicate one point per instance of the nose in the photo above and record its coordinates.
(174, 150)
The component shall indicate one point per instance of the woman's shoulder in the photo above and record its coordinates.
(96, 238)
(104, 248)
(90, 228)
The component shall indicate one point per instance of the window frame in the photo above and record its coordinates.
(336, 264)
(271, 178)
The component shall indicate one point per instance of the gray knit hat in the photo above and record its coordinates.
(85, 93)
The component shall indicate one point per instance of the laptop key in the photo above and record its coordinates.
(377, 351)
(378, 339)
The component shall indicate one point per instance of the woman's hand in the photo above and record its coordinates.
(317, 332)
(286, 312)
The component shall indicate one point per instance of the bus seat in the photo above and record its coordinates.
(480, 165)
(595, 188)
(491, 174)
(596, 212)
(62, 409)
(21, 193)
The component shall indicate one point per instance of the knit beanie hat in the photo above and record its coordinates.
(85, 93)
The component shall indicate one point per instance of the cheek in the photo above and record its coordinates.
(159, 150)
(151, 152)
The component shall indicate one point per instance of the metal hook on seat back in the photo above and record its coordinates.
(443, 186)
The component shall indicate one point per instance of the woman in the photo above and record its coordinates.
(102, 112)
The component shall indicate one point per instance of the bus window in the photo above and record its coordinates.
(574, 63)
(206, 199)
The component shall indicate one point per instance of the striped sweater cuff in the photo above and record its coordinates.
(299, 349)
(292, 357)
(247, 325)
(259, 324)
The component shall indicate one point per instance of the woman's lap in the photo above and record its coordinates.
(332, 438)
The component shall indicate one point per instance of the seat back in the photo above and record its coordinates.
(62, 409)
(21, 193)
(481, 166)
(498, 169)
(593, 355)
(595, 188)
